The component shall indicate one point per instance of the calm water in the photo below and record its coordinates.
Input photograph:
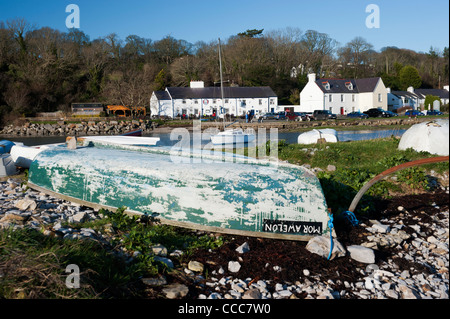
(290, 137)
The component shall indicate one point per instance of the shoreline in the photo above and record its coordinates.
(114, 127)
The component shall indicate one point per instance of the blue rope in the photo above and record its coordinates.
(351, 217)
(330, 226)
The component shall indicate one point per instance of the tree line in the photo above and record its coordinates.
(44, 70)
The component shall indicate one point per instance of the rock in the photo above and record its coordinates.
(242, 249)
(81, 217)
(381, 228)
(320, 245)
(234, 266)
(72, 144)
(176, 291)
(157, 281)
(14, 218)
(331, 168)
(195, 266)
(284, 293)
(362, 254)
(408, 293)
(164, 260)
(159, 250)
(26, 204)
(391, 294)
(306, 272)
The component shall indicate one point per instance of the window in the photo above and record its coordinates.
(195, 101)
(353, 97)
(272, 101)
(342, 97)
(184, 102)
(260, 101)
(330, 98)
(226, 101)
(326, 85)
(380, 98)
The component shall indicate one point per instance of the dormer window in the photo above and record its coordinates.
(326, 85)
(349, 85)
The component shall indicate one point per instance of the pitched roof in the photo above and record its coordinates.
(442, 94)
(341, 85)
(404, 93)
(215, 92)
(162, 95)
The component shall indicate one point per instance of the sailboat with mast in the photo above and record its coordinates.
(229, 136)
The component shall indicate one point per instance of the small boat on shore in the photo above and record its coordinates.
(137, 132)
(117, 140)
(316, 136)
(232, 136)
(227, 194)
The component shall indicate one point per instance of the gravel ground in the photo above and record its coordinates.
(408, 239)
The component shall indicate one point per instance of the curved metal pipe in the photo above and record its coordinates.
(393, 170)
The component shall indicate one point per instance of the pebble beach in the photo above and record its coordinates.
(423, 243)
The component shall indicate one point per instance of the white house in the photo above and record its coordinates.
(415, 98)
(342, 96)
(198, 100)
(400, 99)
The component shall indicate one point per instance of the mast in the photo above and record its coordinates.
(221, 86)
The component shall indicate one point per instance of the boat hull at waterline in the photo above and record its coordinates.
(236, 136)
(243, 197)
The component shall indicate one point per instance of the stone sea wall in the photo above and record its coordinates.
(114, 127)
(62, 128)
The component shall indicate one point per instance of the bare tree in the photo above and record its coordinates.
(317, 46)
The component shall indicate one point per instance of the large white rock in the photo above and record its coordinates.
(313, 136)
(429, 137)
(320, 245)
(362, 254)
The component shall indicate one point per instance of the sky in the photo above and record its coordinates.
(411, 24)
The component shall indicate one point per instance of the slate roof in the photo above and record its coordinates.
(215, 93)
(162, 95)
(340, 85)
(405, 94)
(422, 93)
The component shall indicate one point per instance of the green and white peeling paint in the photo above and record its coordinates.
(231, 195)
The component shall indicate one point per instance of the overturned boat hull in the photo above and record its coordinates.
(226, 193)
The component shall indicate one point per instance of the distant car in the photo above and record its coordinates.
(375, 112)
(269, 116)
(433, 112)
(389, 114)
(281, 116)
(414, 113)
(324, 115)
(297, 116)
(357, 115)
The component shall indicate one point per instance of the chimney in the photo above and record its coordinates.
(312, 77)
(197, 84)
(411, 89)
(388, 90)
(446, 87)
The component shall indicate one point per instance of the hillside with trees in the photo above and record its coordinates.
(45, 70)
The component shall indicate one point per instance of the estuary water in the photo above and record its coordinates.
(167, 140)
